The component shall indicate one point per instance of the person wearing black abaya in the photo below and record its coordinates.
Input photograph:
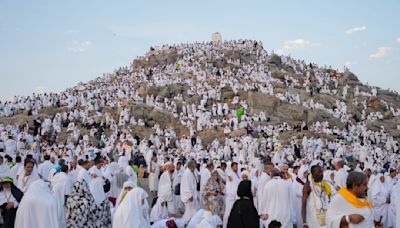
(243, 213)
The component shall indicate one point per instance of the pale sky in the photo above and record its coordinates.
(53, 45)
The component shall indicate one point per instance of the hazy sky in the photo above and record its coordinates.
(52, 45)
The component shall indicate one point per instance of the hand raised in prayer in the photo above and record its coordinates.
(356, 219)
(10, 205)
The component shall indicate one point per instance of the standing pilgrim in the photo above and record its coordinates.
(350, 207)
(380, 200)
(232, 182)
(276, 199)
(316, 196)
(80, 207)
(205, 176)
(28, 176)
(340, 174)
(154, 175)
(244, 213)
(127, 187)
(297, 192)
(264, 178)
(165, 188)
(103, 212)
(10, 197)
(190, 191)
(62, 187)
(213, 197)
(38, 207)
(133, 211)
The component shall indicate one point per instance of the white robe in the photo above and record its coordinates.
(165, 192)
(38, 208)
(341, 177)
(276, 200)
(297, 194)
(97, 190)
(4, 171)
(44, 169)
(205, 175)
(61, 187)
(84, 175)
(379, 197)
(24, 182)
(230, 195)
(131, 174)
(340, 207)
(131, 212)
(395, 200)
(189, 190)
(153, 177)
(263, 180)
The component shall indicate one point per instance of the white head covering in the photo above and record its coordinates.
(303, 169)
(126, 184)
(96, 186)
(130, 212)
(158, 211)
(38, 207)
(209, 220)
(379, 188)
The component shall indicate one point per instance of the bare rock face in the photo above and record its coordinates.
(375, 105)
(227, 93)
(291, 113)
(387, 115)
(262, 102)
(153, 59)
(326, 99)
(274, 60)
(350, 76)
(315, 115)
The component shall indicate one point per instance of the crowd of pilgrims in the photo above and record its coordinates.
(94, 179)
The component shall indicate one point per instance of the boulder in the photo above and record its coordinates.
(227, 93)
(375, 105)
(314, 115)
(349, 76)
(387, 115)
(290, 113)
(274, 59)
(262, 102)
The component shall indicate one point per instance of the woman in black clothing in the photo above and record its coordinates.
(243, 213)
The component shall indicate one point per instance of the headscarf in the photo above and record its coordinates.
(131, 211)
(38, 207)
(158, 211)
(379, 188)
(303, 169)
(244, 189)
(57, 168)
(212, 185)
(123, 193)
(96, 186)
(80, 207)
(209, 220)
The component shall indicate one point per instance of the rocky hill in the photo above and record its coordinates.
(311, 102)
